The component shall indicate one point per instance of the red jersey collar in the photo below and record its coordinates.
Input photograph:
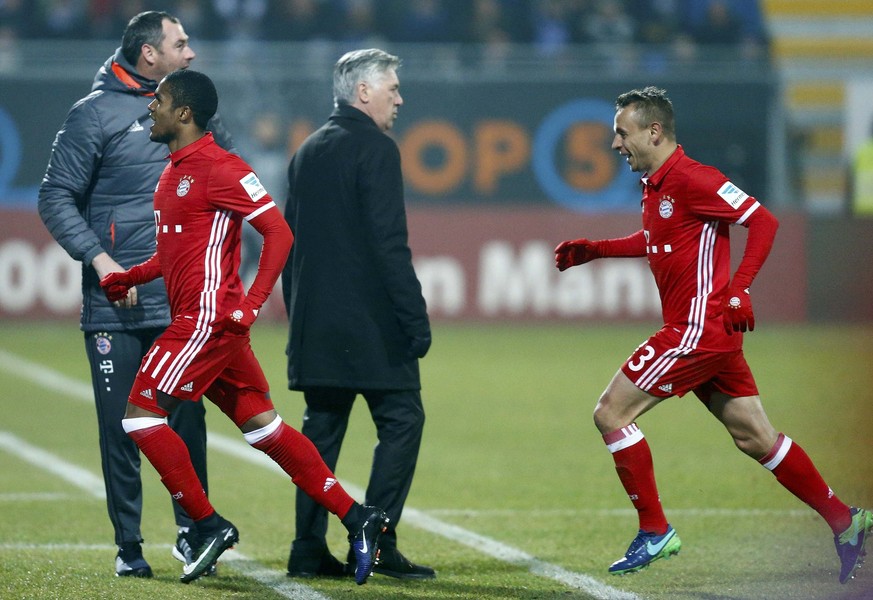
(191, 148)
(658, 176)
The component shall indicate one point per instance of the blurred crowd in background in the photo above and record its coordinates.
(547, 24)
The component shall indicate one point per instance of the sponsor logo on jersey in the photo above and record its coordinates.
(252, 185)
(147, 393)
(329, 483)
(184, 185)
(188, 387)
(136, 126)
(665, 208)
(732, 194)
(103, 343)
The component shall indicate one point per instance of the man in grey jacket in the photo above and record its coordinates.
(358, 319)
(96, 201)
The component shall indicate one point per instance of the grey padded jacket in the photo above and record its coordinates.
(98, 188)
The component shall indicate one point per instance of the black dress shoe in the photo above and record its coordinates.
(129, 561)
(394, 564)
(325, 565)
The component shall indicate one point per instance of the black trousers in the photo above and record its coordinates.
(399, 419)
(115, 358)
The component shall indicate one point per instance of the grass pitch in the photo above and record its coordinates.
(515, 494)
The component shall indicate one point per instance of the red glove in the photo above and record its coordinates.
(576, 252)
(238, 321)
(738, 315)
(276, 246)
(116, 285)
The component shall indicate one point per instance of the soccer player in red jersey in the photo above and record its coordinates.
(201, 200)
(687, 209)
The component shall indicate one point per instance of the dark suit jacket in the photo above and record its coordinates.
(352, 296)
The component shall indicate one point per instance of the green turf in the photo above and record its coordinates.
(509, 452)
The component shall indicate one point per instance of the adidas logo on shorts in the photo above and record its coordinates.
(188, 387)
(667, 387)
(147, 394)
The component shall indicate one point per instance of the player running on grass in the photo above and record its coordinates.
(200, 202)
(687, 210)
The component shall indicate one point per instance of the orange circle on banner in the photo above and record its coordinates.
(426, 178)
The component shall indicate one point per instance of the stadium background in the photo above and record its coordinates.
(504, 137)
(504, 133)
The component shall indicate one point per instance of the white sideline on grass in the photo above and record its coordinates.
(41, 374)
(77, 476)
(417, 518)
(270, 578)
(236, 561)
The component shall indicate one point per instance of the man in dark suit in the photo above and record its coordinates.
(358, 320)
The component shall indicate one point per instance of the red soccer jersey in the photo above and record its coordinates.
(687, 210)
(202, 197)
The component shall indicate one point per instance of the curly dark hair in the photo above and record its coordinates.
(194, 90)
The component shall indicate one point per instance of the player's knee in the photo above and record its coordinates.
(259, 421)
(248, 409)
(603, 418)
(751, 445)
(139, 428)
(261, 427)
(754, 438)
(743, 444)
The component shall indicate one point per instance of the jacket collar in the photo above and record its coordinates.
(119, 75)
(345, 111)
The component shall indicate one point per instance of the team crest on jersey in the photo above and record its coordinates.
(665, 208)
(732, 194)
(184, 185)
(252, 185)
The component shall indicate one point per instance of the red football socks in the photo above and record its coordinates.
(298, 457)
(796, 472)
(786, 460)
(169, 456)
(633, 463)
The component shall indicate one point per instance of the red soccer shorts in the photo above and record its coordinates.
(663, 367)
(186, 363)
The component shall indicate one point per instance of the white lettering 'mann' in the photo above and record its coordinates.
(526, 281)
(514, 284)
